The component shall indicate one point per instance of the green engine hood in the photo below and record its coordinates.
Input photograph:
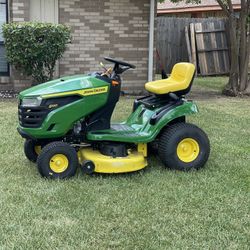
(65, 84)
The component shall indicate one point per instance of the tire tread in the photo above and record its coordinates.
(51, 147)
(164, 142)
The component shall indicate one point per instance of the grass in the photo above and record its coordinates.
(215, 83)
(152, 209)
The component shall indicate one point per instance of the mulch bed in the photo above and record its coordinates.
(8, 94)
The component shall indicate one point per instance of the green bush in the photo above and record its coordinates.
(34, 48)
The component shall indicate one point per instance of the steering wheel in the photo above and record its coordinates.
(117, 62)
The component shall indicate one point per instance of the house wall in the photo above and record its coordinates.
(115, 28)
(19, 10)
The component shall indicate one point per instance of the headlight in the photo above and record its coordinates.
(31, 102)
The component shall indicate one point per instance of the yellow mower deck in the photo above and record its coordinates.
(106, 164)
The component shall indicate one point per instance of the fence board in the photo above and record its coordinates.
(172, 46)
(188, 44)
(212, 48)
(193, 45)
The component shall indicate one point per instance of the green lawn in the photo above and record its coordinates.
(152, 209)
(216, 83)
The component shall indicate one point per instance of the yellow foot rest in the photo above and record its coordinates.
(180, 79)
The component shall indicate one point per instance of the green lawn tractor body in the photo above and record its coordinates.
(66, 124)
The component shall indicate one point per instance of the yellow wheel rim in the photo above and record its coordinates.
(188, 150)
(59, 163)
(38, 149)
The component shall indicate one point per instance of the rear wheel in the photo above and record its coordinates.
(184, 147)
(32, 149)
(58, 160)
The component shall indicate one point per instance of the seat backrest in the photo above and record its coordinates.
(179, 82)
(184, 74)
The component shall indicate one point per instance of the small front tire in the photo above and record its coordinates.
(184, 146)
(31, 150)
(58, 160)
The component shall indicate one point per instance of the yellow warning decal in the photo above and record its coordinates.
(94, 91)
(81, 92)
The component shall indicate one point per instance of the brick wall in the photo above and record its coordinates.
(19, 10)
(115, 28)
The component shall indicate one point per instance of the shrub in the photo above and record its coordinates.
(34, 48)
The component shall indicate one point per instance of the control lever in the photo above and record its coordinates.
(107, 71)
(103, 66)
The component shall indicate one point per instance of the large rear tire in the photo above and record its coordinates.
(58, 160)
(31, 150)
(184, 146)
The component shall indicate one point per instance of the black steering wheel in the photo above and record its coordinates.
(117, 63)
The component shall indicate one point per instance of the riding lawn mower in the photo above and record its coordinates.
(66, 124)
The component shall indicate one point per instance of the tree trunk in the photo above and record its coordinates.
(244, 49)
(232, 87)
(239, 36)
(246, 88)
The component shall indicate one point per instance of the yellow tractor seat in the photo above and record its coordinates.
(179, 82)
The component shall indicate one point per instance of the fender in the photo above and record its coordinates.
(185, 109)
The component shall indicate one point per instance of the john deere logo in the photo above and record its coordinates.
(82, 92)
(94, 91)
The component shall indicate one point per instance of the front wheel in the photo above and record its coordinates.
(58, 160)
(31, 150)
(184, 146)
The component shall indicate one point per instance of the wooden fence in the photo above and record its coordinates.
(205, 44)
